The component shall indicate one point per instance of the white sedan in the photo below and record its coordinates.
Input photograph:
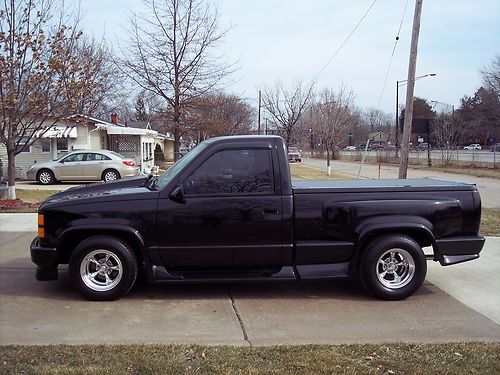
(473, 146)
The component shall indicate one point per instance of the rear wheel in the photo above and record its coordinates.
(110, 175)
(103, 268)
(46, 177)
(393, 267)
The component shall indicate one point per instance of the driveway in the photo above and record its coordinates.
(318, 312)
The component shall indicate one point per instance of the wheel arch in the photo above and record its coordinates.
(417, 228)
(71, 237)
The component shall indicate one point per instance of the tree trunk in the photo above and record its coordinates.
(329, 171)
(177, 144)
(11, 179)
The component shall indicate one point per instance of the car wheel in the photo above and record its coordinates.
(103, 268)
(393, 267)
(45, 177)
(110, 175)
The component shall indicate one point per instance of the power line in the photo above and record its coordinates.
(345, 41)
(392, 56)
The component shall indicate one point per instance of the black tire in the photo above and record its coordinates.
(393, 275)
(110, 175)
(299, 160)
(120, 267)
(45, 177)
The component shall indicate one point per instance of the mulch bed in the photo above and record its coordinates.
(9, 204)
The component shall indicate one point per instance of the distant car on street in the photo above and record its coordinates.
(294, 154)
(350, 148)
(495, 147)
(362, 147)
(422, 146)
(473, 146)
(84, 166)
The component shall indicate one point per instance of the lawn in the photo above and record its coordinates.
(490, 222)
(455, 358)
(301, 172)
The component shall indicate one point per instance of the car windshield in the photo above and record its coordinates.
(160, 182)
(293, 149)
(116, 154)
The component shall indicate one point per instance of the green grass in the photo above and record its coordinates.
(490, 222)
(455, 358)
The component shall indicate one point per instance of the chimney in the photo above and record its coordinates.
(114, 118)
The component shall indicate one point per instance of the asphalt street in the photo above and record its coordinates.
(333, 312)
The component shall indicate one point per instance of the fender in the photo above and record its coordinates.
(405, 224)
(99, 229)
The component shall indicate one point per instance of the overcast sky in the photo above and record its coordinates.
(293, 39)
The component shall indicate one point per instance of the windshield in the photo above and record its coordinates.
(163, 180)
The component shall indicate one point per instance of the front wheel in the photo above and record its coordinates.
(46, 177)
(393, 267)
(103, 268)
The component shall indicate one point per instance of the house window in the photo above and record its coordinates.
(24, 147)
(45, 143)
(62, 144)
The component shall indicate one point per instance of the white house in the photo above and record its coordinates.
(81, 132)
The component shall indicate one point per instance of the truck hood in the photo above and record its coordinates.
(127, 189)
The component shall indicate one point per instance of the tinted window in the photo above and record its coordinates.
(233, 172)
(96, 157)
(74, 157)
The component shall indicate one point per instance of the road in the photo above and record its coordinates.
(489, 188)
(319, 312)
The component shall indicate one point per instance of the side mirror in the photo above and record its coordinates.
(177, 195)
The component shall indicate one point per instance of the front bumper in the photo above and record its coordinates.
(46, 260)
(455, 250)
(31, 174)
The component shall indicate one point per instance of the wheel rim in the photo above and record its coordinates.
(45, 177)
(101, 270)
(110, 176)
(395, 268)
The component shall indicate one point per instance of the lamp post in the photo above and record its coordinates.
(398, 85)
(312, 142)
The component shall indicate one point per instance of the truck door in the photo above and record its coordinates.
(231, 215)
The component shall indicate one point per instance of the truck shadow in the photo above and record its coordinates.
(21, 282)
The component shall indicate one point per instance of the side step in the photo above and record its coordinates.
(160, 274)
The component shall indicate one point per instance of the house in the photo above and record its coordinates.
(82, 132)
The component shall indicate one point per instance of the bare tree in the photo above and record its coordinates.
(222, 114)
(333, 118)
(38, 70)
(286, 106)
(448, 134)
(491, 76)
(169, 53)
(377, 120)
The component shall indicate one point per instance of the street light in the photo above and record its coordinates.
(398, 85)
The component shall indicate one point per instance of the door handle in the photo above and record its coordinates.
(271, 211)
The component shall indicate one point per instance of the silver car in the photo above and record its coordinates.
(84, 166)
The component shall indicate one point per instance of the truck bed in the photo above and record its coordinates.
(389, 185)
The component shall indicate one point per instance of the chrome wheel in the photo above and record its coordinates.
(395, 268)
(110, 176)
(101, 270)
(45, 177)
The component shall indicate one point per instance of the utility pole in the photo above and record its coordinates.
(403, 163)
(258, 128)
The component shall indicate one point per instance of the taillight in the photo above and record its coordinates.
(129, 163)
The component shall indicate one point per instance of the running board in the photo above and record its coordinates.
(160, 274)
(323, 271)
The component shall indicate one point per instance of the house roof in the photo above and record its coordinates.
(94, 120)
(138, 124)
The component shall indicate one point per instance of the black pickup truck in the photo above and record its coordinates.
(228, 211)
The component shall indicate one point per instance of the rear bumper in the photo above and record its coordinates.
(455, 250)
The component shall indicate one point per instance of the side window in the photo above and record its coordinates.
(74, 157)
(233, 172)
(96, 157)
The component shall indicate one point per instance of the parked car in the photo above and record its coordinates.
(84, 166)
(495, 147)
(229, 211)
(184, 150)
(473, 146)
(362, 147)
(294, 154)
(422, 146)
(350, 148)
